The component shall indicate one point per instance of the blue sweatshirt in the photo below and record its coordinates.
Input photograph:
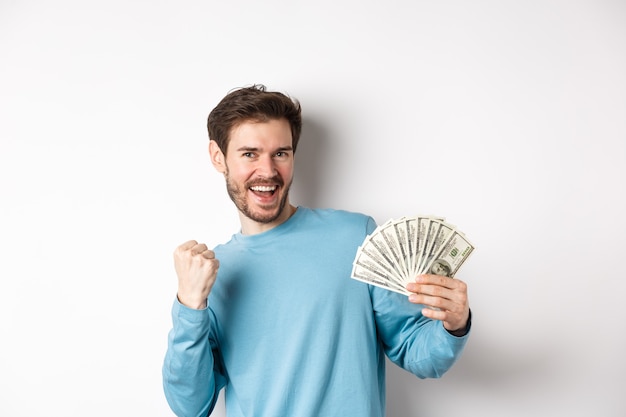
(287, 332)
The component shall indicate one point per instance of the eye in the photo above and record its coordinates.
(248, 154)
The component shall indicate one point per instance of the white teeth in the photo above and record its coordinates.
(263, 188)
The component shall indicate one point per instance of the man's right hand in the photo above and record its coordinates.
(196, 268)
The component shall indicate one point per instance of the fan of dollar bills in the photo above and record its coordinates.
(399, 250)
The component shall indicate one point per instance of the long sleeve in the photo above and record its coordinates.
(420, 345)
(192, 375)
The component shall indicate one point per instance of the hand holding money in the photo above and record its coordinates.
(196, 268)
(418, 257)
(445, 297)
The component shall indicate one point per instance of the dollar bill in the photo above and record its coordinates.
(451, 256)
(364, 274)
(390, 237)
(370, 258)
(411, 226)
(422, 235)
(442, 232)
(377, 241)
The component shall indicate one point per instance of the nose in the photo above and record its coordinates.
(266, 166)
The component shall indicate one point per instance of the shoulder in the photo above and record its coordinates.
(335, 217)
(225, 247)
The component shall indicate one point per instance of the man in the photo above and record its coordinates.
(272, 316)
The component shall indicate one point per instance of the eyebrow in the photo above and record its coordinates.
(253, 149)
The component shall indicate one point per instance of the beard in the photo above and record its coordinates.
(238, 196)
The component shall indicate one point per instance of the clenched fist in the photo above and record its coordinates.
(196, 268)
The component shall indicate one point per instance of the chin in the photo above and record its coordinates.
(269, 214)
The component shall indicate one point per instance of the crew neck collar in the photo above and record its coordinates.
(273, 232)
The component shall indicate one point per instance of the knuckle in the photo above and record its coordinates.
(463, 299)
(437, 302)
(437, 291)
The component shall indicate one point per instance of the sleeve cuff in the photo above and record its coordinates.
(188, 314)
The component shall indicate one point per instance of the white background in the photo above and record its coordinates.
(508, 118)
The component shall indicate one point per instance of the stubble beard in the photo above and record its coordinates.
(238, 197)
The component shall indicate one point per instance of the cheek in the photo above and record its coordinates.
(238, 172)
(286, 171)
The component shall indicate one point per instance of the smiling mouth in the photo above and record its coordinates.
(264, 189)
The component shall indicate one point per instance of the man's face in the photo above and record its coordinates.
(440, 269)
(258, 168)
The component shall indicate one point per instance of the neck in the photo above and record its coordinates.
(252, 227)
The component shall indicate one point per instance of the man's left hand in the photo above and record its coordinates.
(447, 295)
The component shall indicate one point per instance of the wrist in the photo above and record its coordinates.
(463, 330)
(194, 304)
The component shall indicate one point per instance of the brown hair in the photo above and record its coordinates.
(253, 103)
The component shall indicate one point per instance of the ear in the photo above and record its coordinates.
(217, 157)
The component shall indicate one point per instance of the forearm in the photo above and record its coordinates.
(412, 341)
(433, 351)
(189, 378)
